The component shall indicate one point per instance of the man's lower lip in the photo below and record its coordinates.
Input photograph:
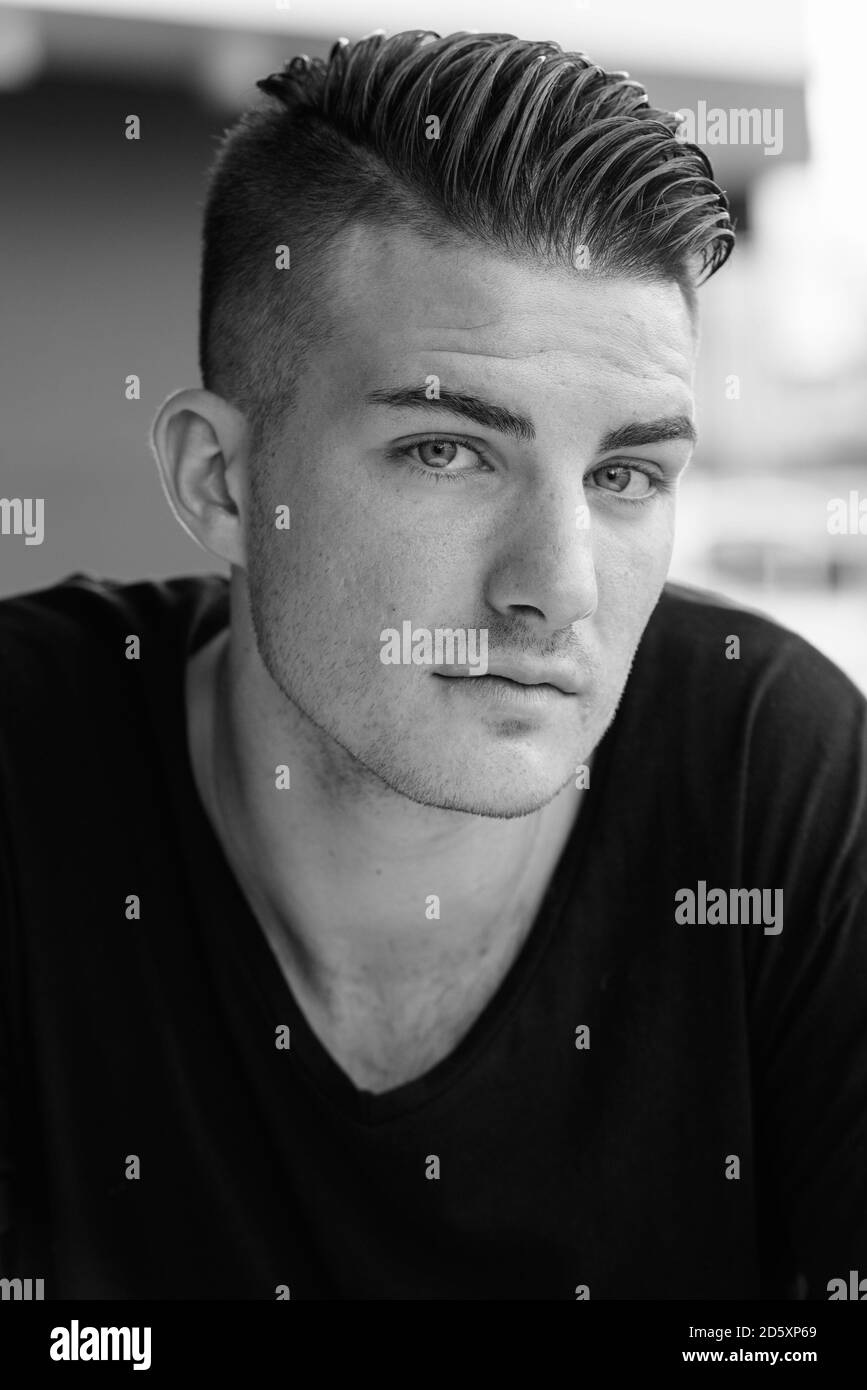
(501, 688)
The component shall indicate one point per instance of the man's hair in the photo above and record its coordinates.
(539, 152)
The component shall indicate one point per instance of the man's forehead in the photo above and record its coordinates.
(399, 296)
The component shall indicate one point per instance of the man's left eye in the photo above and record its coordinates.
(621, 475)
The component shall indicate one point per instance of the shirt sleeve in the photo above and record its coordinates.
(807, 995)
(7, 1253)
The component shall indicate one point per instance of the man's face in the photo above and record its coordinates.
(421, 515)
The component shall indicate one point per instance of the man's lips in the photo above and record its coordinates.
(520, 673)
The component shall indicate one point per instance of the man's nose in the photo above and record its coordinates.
(545, 566)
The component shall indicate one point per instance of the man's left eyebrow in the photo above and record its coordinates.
(649, 432)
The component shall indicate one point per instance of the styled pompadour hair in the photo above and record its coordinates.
(539, 152)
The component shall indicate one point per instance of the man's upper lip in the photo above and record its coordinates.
(527, 673)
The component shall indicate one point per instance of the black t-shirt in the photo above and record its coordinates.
(647, 1107)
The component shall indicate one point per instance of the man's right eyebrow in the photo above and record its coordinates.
(482, 412)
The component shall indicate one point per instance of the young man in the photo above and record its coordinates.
(343, 958)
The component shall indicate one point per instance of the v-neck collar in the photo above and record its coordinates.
(244, 952)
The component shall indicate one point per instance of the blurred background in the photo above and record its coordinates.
(101, 244)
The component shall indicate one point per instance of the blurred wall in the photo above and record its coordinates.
(100, 279)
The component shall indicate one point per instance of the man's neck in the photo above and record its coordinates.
(356, 886)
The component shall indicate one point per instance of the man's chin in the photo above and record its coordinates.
(478, 796)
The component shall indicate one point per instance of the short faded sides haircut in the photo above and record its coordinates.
(539, 153)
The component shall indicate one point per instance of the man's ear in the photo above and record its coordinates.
(200, 443)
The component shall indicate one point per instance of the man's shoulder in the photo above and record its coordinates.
(702, 618)
(66, 650)
(713, 643)
(763, 730)
(748, 699)
(72, 621)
